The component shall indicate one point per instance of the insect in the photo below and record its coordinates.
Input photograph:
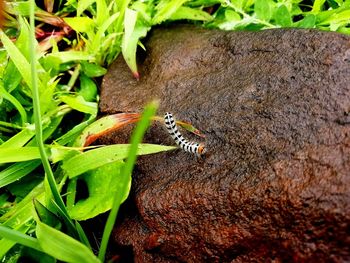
(187, 146)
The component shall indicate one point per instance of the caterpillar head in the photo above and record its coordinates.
(201, 149)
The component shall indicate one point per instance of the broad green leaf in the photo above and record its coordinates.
(11, 155)
(263, 9)
(45, 215)
(16, 171)
(78, 103)
(307, 22)
(165, 9)
(88, 88)
(95, 158)
(283, 17)
(62, 246)
(184, 12)
(103, 184)
(80, 24)
(133, 32)
(93, 70)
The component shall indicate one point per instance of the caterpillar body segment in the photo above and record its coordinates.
(187, 146)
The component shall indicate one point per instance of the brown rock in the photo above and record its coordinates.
(275, 182)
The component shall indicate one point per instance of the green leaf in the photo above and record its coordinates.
(78, 103)
(184, 12)
(95, 158)
(70, 56)
(62, 246)
(133, 32)
(11, 155)
(45, 215)
(263, 9)
(307, 22)
(88, 88)
(283, 17)
(103, 184)
(165, 9)
(99, 37)
(80, 24)
(93, 70)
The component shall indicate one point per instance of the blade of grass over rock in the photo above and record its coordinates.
(136, 139)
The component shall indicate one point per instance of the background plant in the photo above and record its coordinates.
(49, 99)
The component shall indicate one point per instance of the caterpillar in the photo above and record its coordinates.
(187, 146)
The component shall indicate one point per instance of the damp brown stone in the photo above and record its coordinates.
(274, 184)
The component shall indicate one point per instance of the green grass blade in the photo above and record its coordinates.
(19, 140)
(62, 246)
(7, 244)
(11, 155)
(136, 139)
(19, 237)
(17, 171)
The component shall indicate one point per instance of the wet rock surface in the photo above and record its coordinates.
(274, 184)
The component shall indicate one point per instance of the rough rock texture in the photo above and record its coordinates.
(275, 182)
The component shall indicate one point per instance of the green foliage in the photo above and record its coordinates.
(47, 81)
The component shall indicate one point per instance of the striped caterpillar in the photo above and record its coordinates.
(187, 146)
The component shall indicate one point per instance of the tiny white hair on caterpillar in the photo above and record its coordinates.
(187, 146)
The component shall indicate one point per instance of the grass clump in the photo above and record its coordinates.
(51, 60)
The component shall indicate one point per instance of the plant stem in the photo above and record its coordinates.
(136, 139)
(37, 114)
